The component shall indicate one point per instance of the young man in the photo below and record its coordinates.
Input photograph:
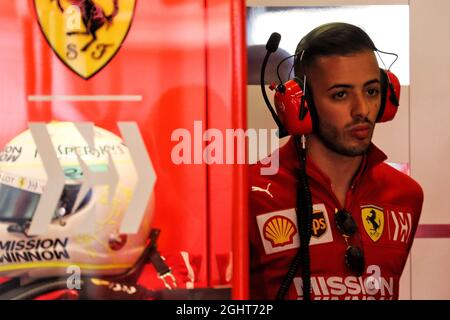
(347, 177)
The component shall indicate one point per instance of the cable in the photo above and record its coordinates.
(388, 53)
(304, 222)
(279, 65)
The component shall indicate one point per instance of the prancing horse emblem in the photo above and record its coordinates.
(373, 221)
(85, 34)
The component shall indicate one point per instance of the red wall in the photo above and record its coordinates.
(186, 60)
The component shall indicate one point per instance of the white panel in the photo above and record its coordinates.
(393, 137)
(430, 105)
(299, 3)
(293, 23)
(430, 269)
(405, 282)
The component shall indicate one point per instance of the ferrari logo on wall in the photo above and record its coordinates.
(85, 34)
(373, 221)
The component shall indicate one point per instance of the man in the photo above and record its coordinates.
(349, 182)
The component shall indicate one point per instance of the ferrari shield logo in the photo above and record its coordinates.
(85, 34)
(373, 221)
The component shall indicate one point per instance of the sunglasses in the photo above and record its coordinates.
(354, 256)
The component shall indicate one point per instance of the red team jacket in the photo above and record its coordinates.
(385, 203)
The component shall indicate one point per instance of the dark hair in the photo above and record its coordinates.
(335, 38)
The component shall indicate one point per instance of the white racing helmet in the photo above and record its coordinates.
(23, 181)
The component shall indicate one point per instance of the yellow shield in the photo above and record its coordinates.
(373, 221)
(319, 224)
(85, 34)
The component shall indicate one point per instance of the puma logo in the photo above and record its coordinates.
(263, 190)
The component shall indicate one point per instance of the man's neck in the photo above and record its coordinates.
(339, 168)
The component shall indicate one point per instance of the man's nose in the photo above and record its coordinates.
(360, 107)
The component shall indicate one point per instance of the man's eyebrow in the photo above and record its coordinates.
(339, 86)
(343, 85)
(371, 81)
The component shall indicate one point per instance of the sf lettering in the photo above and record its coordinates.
(72, 51)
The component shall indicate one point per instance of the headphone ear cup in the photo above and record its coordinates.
(390, 96)
(293, 109)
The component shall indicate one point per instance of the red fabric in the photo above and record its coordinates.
(185, 270)
(377, 185)
(64, 294)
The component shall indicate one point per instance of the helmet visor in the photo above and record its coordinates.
(18, 205)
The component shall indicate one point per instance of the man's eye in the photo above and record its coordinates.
(373, 92)
(339, 95)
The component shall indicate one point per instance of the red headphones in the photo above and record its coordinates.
(295, 109)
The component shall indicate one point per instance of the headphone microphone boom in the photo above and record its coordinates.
(291, 118)
(273, 42)
(271, 47)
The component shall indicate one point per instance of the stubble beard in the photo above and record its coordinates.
(331, 139)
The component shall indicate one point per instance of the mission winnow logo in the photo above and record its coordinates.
(31, 250)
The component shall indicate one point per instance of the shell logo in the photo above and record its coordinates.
(279, 230)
